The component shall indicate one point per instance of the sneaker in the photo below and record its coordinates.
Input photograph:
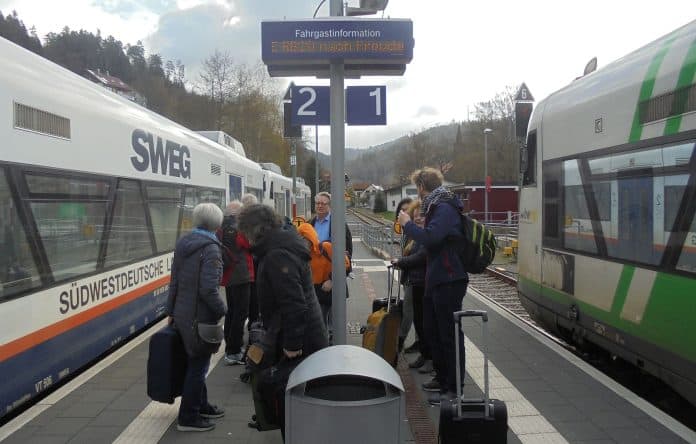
(212, 412)
(426, 368)
(431, 386)
(234, 358)
(413, 348)
(200, 425)
(420, 360)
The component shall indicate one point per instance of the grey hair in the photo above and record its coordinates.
(254, 221)
(232, 208)
(249, 199)
(207, 216)
(323, 194)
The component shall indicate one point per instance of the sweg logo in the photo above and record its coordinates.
(164, 157)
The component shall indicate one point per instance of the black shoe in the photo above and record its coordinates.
(212, 411)
(418, 363)
(437, 398)
(413, 348)
(200, 425)
(431, 386)
(426, 368)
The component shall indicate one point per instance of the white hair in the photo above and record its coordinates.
(249, 199)
(207, 216)
(232, 208)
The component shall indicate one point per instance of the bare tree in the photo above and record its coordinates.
(216, 78)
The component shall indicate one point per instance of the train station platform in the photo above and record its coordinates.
(551, 395)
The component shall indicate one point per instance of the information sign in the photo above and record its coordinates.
(366, 105)
(310, 105)
(365, 46)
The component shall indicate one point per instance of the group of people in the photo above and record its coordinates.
(272, 270)
(434, 278)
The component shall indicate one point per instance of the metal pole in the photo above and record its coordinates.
(338, 203)
(316, 159)
(485, 174)
(293, 163)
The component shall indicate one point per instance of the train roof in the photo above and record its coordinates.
(98, 125)
(598, 110)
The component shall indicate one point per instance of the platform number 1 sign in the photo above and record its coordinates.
(366, 105)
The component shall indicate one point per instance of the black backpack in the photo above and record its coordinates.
(477, 246)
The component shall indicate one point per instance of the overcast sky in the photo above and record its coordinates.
(465, 51)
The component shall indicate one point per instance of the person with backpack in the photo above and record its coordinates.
(320, 253)
(446, 279)
(237, 278)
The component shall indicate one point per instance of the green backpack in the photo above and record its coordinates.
(477, 246)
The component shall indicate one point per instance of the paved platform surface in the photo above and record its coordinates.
(551, 396)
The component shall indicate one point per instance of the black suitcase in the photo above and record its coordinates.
(166, 365)
(472, 420)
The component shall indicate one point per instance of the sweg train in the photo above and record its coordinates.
(607, 235)
(94, 192)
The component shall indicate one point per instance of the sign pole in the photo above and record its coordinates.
(338, 203)
(293, 163)
(316, 159)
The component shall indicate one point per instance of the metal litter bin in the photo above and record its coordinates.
(343, 394)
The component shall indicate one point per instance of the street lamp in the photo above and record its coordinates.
(486, 132)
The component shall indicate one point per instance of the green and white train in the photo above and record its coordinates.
(607, 236)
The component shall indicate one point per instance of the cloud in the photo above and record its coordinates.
(426, 111)
(127, 8)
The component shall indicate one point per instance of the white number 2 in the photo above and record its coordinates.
(377, 94)
(302, 111)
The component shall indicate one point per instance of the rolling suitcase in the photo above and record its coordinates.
(166, 365)
(381, 334)
(472, 420)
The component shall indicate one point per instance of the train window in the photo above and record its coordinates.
(129, 235)
(528, 160)
(17, 269)
(49, 184)
(552, 210)
(193, 197)
(70, 223)
(164, 204)
(687, 259)
(578, 233)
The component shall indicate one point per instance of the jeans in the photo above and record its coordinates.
(407, 312)
(237, 312)
(439, 304)
(194, 395)
(417, 297)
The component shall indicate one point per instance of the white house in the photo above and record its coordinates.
(370, 193)
(395, 194)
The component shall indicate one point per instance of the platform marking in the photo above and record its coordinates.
(658, 415)
(154, 421)
(31, 413)
(523, 419)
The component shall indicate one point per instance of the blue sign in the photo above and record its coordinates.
(365, 46)
(310, 105)
(366, 105)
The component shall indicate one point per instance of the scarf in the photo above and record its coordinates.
(435, 197)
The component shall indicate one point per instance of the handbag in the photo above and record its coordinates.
(262, 351)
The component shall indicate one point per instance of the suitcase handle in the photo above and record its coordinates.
(391, 271)
(458, 315)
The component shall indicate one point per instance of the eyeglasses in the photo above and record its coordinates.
(321, 203)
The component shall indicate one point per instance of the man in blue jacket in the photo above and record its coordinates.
(445, 278)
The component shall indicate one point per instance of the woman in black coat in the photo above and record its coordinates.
(193, 294)
(286, 297)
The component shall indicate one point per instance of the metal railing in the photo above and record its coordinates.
(380, 238)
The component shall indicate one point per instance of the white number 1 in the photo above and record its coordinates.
(378, 100)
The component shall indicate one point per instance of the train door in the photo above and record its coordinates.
(635, 225)
(235, 190)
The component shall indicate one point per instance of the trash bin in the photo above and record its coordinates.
(343, 394)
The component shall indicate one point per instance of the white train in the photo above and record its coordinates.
(607, 251)
(94, 192)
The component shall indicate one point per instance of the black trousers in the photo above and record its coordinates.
(439, 304)
(237, 312)
(417, 294)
